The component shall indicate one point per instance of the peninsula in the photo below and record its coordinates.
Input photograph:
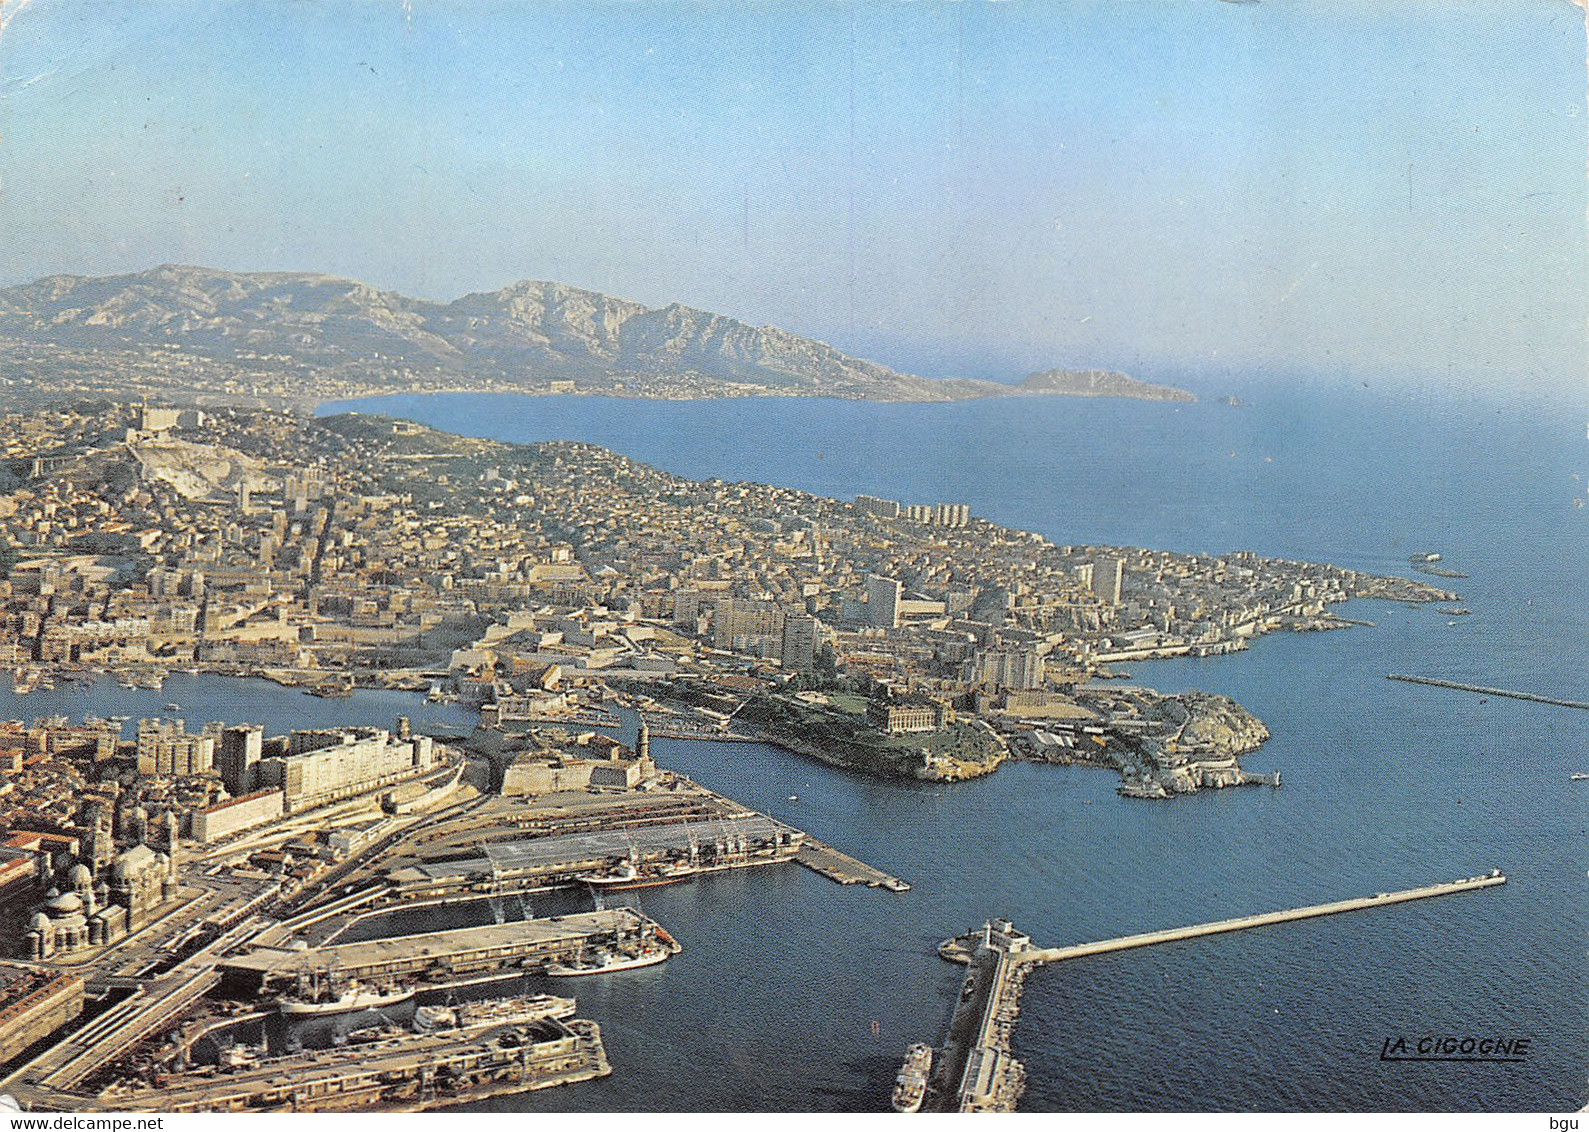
(354, 551)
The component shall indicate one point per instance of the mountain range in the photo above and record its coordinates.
(533, 335)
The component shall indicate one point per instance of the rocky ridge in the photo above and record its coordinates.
(532, 336)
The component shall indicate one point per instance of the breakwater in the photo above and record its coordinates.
(1482, 690)
(976, 1070)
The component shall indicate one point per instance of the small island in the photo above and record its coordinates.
(1098, 383)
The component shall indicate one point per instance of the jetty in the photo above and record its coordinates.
(403, 1073)
(975, 1070)
(1507, 693)
(824, 860)
(441, 958)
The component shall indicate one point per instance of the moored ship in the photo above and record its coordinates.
(605, 961)
(354, 996)
(627, 876)
(910, 1087)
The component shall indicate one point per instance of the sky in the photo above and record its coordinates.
(1281, 189)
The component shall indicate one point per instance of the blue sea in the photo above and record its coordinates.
(794, 993)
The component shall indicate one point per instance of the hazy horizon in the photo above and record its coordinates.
(1300, 190)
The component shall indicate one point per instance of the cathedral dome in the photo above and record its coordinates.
(65, 905)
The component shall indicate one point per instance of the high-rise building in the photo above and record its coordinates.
(882, 601)
(322, 766)
(1107, 574)
(165, 748)
(741, 622)
(240, 752)
(1010, 668)
(882, 508)
(951, 514)
(799, 643)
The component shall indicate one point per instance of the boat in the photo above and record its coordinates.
(604, 961)
(363, 1035)
(356, 996)
(428, 1018)
(173, 707)
(1579, 776)
(240, 1056)
(500, 1011)
(626, 876)
(331, 691)
(910, 1087)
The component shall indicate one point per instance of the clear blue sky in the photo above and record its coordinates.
(1364, 190)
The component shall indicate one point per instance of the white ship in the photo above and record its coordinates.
(355, 996)
(910, 1087)
(604, 961)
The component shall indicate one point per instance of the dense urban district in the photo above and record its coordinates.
(163, 887)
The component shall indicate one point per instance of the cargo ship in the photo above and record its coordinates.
(910, 1087)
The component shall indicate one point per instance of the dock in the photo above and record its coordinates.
(1506, 693)
(439, 958)
(827, 861)
(975, 1070)
(408, 1072)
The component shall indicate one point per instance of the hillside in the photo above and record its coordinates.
(305, 335)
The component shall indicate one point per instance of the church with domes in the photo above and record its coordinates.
(95, 913)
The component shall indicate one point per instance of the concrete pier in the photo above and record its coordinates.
(441, 957)
(827, 861)
(410, 1072)
(975, 1069)
(1240, 923)
(1506, 693)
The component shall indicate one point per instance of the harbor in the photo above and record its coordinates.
(975, 1069)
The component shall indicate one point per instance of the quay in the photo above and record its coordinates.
(975, 1071)
(438, 958)
(827, 861)
(1506, 693)
(660, 852)
(407, 1072)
